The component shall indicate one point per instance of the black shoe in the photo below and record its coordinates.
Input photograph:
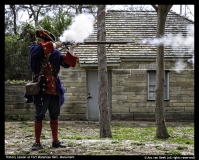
(36, 146)
(58, 144)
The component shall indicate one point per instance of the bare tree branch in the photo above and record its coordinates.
(15, 17)
(155, 7)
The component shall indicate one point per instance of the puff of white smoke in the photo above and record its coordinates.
(171, 40)
(191, 61)
(179, 66)
(176, 41)
(80, 29)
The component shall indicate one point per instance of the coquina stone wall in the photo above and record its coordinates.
(14, 102)
(129, 94)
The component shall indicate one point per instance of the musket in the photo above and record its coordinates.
(97, 42)
(67, 43)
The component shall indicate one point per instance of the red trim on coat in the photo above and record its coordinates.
(70, 59)
(47, 47)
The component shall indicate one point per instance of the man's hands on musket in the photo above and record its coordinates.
(58, 44)
(74, 45)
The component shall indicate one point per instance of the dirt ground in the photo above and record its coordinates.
(19, 139)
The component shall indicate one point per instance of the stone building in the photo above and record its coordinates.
(131, 70)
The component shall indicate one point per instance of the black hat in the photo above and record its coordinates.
(45, 35)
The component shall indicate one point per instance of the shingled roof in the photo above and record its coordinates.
(134, 26)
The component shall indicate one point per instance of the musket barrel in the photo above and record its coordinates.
(106, 42)
(99, 42)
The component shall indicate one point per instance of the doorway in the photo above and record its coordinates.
(92, 110)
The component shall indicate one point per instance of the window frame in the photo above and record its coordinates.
(166, 85)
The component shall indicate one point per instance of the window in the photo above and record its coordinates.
(152, 84)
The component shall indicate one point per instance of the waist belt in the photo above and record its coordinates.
(50, 73)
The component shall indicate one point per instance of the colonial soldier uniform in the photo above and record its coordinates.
(51, 96)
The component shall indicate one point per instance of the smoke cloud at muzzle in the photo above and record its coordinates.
(80, 29)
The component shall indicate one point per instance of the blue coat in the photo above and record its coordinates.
(56, 59)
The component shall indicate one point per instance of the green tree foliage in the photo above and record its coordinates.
(56, 25)
(17, 63)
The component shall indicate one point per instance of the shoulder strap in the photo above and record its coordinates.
(44, 64)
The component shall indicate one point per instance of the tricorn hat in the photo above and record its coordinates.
(46, 35)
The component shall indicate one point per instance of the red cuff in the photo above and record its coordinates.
(70, 59)
(47, 47)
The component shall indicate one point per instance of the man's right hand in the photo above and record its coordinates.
(73, 46)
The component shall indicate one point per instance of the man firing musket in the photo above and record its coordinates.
(51, 94)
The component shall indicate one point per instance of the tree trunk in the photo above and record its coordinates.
(15, 18)
(104, 120)
(161, 131)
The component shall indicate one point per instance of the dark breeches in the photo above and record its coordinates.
(50, 103)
